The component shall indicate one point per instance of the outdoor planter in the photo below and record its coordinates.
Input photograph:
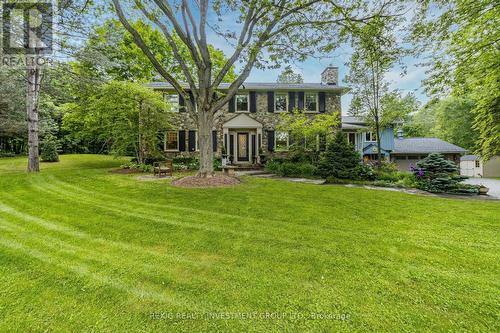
(483, 190)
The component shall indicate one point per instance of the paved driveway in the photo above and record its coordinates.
(492, 184)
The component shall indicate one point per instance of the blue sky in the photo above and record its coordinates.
(312, 68)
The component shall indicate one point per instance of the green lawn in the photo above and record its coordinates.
(83, 249)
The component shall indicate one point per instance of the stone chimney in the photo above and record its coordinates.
(399, 133)
(330, 76)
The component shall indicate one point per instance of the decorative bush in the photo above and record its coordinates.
(291, 169)
(49, 150)
(439, 175)
(340, 160)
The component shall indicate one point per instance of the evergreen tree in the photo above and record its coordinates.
(439, 175)
(340, 160)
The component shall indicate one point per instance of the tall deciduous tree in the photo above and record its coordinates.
(129, 116)
(465, 44)
(375, 52)
(288, 75)
(276, 27)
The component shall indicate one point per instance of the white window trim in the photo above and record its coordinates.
(175, 108)
(287, 141)
(372, 135)
(236, 103)
(317, 102)
(165, 143)
(355, 138)
(286, 101)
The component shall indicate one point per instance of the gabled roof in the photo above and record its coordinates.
(469, 158)
(425, 146)
(262, 86)
(242, 121)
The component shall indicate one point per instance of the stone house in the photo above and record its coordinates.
(248, 124)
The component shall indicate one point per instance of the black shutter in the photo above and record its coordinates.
(231, 144)
(270, 101)
(270, 140)
(182, 140)
(192, 141)
(191, 99)
(182, 104)
(253, 101)
(161, 140)
(322, 101)
(214, 141)
(231, 104)
(300, 102)
(254, 148)
(291, 101)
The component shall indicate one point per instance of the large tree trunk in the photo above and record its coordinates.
(205, 124)
(33, 79)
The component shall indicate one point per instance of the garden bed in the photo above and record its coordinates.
(216, 181)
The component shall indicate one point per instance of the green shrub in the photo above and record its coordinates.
(291, 169)
(217, 164)
(49, 150)
(186, 163)
(7, 154)
(340, 160)
(364, 171)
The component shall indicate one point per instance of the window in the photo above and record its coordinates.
(173, 101)
(281, 141)
(477, 164)
(280, 102)
(370, 137)
(172, 140)
(241, 103)
(351, 138)
(311, 102)
(311, 143)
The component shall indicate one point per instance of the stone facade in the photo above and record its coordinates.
(269, 120)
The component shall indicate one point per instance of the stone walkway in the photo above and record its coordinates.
(414, 191)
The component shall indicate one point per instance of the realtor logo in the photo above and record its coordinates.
(27, 27)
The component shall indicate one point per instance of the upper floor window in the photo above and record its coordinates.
(173, 101)
(241, 103)
(172, 140)
(311, 102)
(280, 102)
(370, 136)
(478, 164)
(281, 141)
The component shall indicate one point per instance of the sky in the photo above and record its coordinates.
(311, 69)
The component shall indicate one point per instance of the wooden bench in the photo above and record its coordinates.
(229, 170)
(163, 168)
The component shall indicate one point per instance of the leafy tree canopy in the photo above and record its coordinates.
(289, 76)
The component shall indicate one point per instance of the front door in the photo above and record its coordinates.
(242, 146)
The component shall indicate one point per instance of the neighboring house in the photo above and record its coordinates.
(248, 122)
(473, 166)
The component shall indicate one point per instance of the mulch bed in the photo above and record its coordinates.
(125, 171)
(216, 181)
